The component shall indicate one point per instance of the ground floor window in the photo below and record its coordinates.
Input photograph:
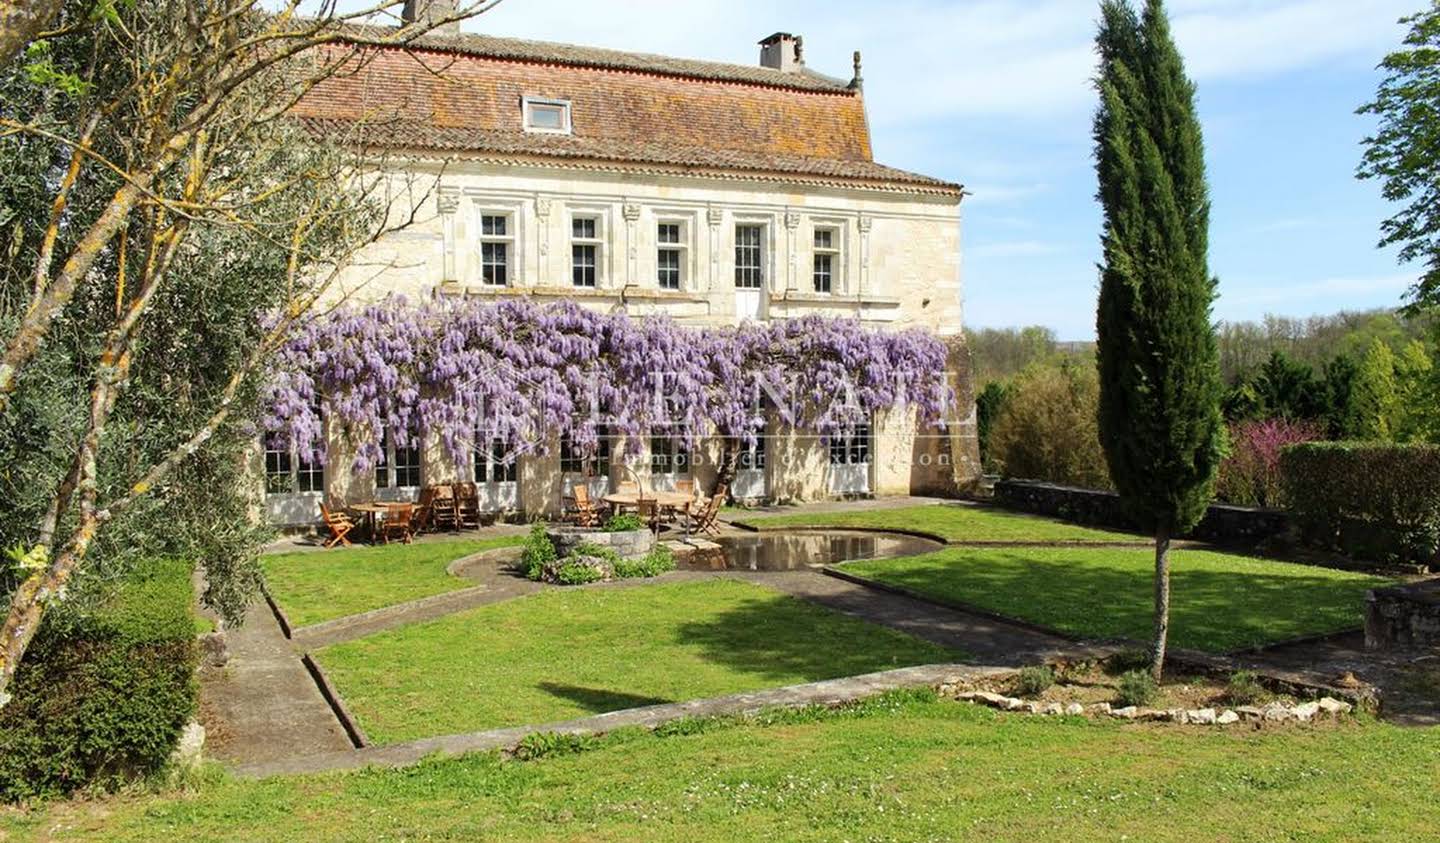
(852, 449)
(495, 463)
(596, 463)
(668, 456)
(287, 473)
(399, 466)
(752, 457)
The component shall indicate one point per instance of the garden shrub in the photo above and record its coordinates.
(623, 522)
(576, 573)
(1034, 680)
(1047, 429)
(652, 564)
(537, 552)
(1378, 502)
(103, 692)
(1136, 687)
(1250, 475)
(1244, 688)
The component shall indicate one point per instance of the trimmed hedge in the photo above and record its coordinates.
(102, 695)
(1372, 501)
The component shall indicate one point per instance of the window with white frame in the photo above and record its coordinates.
(852, 448)
(749, 256)
(584, 250)
(495, 462)
(287, 473)
(497, 248)
(669, 254)
(550, 116)
(593, 463)
(827, 258)
(399, 466)
(668, 455)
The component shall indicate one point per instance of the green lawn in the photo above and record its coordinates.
(563, 654)
(1219, 602)
(900, 769)
(955, 523)
(319, 586)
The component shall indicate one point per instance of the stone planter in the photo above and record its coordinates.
(630, 544)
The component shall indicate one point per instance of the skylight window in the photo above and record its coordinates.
(551, 116)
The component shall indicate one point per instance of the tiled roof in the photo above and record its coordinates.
(423, 135)
(576, 55)
(463, 94)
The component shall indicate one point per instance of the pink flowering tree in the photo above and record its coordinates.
(1250, 475)
(523, 373)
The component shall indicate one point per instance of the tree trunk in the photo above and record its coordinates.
(1162, 601)
(729, 462)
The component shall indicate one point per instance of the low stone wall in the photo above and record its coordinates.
(630, 544)
(1223, 524)
(1403, 616)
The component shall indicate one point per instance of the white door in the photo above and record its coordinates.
(747, 305)
(497, 479)
(750, 473)
(850, 463)
(749, 272)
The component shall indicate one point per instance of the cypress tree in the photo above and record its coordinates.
(1160, 385)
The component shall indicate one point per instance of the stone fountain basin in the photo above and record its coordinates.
(630, 544)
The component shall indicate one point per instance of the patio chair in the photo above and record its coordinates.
(467, 506)
(707, 514)
(339, 525)
(399, 523)
(442, 508)
(649, 511)
(585, 512)
(425, 510)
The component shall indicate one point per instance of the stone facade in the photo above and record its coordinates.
(690, 153)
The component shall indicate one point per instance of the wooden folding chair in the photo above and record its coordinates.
(339, 525)
(399, 523)
(705, 518)
(649, 510)
(442, 508)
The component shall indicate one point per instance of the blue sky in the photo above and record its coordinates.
(995, 94)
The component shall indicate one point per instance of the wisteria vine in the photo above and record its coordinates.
(522, 372)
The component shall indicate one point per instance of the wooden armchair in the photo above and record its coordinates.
(339, 525)
(467, 506)
(585, 513)
(399, 523)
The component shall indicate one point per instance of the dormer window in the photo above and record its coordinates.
(550, 116)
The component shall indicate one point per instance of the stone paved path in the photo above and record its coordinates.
(267, 705)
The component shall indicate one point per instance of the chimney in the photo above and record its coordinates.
(783, 52)
(427, 11)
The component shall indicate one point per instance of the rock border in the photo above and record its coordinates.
(1276, 712)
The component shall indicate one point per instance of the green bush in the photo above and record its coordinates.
(103, 693)
(574, 573)
(1374, 501)
(595, 550)
(1244, 688)
(652, 564)
(1034, 680)
(1047, 430)
(1137, 687)
(624, 522)
(538, 551)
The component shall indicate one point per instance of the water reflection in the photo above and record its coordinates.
(801, 549)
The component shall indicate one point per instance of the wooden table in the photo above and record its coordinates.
(369, 511)
(663, 500)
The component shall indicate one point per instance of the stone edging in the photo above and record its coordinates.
(336, 702)
(280, 616)
(830, 692)
(911, 594)
(394, 609)
(498, 554)
(919, 534)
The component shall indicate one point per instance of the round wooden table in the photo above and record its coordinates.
(667, 500)
(369, 511)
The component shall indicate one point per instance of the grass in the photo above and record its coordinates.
(900, 768)
(1219, 602)
(954, 523)
(317, 586)
(564, 654)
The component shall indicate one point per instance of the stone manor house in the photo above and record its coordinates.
(623, 181)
